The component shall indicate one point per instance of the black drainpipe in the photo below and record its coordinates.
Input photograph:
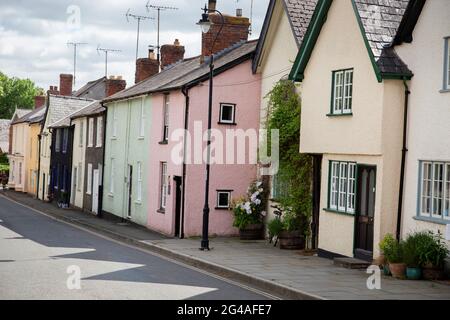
(185, 91)
(404, 152)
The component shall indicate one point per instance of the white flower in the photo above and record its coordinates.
(258, 184)
(248, 208)
(257, 202)
(263, 213)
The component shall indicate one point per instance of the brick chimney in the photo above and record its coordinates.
(53, 90)
(65, 84)
(171, 53)
(114, 85)
(235, 29)
(146, 67)
(39, 101)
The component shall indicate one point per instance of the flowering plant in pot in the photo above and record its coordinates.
(393, 251)
(249, 212)
(432, 252)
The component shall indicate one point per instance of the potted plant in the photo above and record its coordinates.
(289, 230)
(432, 254)
(393, 251)
(249, 212)
(411, 256)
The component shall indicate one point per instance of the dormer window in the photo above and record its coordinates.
(342, 95)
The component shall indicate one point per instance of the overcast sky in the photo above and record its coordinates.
(34, 34)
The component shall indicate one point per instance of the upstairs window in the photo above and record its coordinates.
(91, 132)
(81, 136)
(58, 140)
(447, 64)
(65, 139)
(227, 113)
(142, 122)
(342, 94)
(114, 122)
(166, 118)
(99, 137)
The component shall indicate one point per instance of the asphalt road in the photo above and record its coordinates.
(41, 258)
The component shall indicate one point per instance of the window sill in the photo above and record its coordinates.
(141, 138)
(138, 202)
(113, 138)
(89, 194)
(227, 123)
(161, 210)
(110, 195)
(221, 208)
(444, 91)
(332, 115)
(339, 212)
(432, 220)
(164, 142)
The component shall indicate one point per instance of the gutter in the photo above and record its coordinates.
(185, 92)
(402, 168)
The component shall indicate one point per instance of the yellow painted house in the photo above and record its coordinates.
(32, 157)
(353, 87)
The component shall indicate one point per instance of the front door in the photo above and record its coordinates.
(178, 221)
(95, 191)
(130, 190)
(365, 212)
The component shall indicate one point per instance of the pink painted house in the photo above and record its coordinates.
(176, 104)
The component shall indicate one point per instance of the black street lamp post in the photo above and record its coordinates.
(205, 23)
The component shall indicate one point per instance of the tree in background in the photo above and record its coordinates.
(16, 93)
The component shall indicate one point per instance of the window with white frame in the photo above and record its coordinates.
(139, 182)
(223, 199)
(91, 132)
(227, 113)
(89, 179)
(435, 190)
(447, 64)
(80, 175)
(114, 122)
(166, 118)
(111, 176)
(65, 139)
(342, 188)
(58, 140)
(342, 93)
(164, 186)
(142, 120)
(99, 137)
(81, 134)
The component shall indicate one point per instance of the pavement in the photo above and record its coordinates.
(285, 274)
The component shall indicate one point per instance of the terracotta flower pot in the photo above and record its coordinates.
(433, 273)
(291, 240)
(398, 270)
(252, 232)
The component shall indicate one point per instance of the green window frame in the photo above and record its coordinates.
(342, 180)
(342, 92)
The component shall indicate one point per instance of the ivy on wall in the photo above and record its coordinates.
(284, 112)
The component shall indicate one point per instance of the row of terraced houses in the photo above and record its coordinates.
(373, 77)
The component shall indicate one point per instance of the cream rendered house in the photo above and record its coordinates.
(352, 85)
(427, 182)
(281, 37)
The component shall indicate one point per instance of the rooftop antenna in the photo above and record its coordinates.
(251, 18)
(159, 9)
(75, 47)
(106, 51)
(138, 18)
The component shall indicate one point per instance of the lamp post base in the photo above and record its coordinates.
(205, 245)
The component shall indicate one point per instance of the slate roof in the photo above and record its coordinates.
(381, 20)
(88, 86)
(92, 109)
(33, 116)
(186, 71)
(61, 106)
(19, 113)
(300, 13)
(4, 135)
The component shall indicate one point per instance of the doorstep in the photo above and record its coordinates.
(351, 263)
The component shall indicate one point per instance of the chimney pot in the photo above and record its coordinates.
(212, 5)
(238, 12)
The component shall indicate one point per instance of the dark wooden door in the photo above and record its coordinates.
(365, 212)
(177, 206)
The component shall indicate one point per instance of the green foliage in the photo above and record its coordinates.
(295, 168)
(3, 158)
(411, 249)
(392, 249)
(431, 249)
(250, 209)
(16, 93)
(275, 227)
